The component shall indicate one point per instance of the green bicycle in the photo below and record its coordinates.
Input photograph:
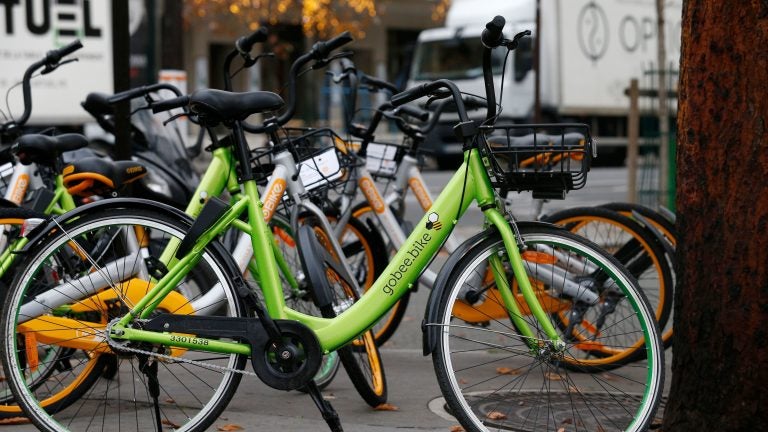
(567, 302)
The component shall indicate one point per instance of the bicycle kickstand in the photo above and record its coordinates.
(326, 409)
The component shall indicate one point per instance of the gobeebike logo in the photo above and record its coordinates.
(415, 250)
(370, 192)
(593, 31)
(272, 198)
(420, 192)
(433, 222)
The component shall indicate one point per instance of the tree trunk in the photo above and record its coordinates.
(720, 364)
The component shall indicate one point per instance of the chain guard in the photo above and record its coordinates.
(287, 364)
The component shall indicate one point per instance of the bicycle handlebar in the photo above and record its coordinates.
(169, 104)
(413, 111)
(245, 43)
(51, 61)
(142, 91)
(53, 57)
(379, 84)
(492, 36)
(428, 88)
(321, 50)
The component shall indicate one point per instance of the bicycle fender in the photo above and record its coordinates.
(430, 333)
(43, 229)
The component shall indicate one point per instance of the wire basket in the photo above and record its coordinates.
(382, 159)
(547, 159)
(321, 154)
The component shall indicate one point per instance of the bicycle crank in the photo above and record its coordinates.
(286, 363)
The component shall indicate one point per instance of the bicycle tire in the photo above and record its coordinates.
(11, 219)
(669, 231)
(491, 378)
(634, 246)
(178, 410)
(386, 327)
(360, 357)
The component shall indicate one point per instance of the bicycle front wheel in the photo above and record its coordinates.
(493, 378)
(83, 276)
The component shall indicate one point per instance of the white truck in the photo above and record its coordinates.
(590, 49)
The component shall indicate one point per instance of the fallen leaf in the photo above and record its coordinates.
(14, 421)
(507, 371)
(170, 423)
(553, 376)
(567, 421)
(230, 427)
(462, 381)
(387, 407)
(457, 429)
(170, 401)
(608, 377)
(561, 430)
(495, 415)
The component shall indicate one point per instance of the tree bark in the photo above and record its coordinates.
(720, 364)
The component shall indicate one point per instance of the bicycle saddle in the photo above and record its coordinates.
(97, 176)
(216, 106)
(44, 149)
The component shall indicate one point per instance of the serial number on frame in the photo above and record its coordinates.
(189, 340)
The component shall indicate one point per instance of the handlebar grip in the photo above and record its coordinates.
(381, 84)
(409, 95)
(415, 112)
(492, 35)
(472, 102)
(245, 43)
(54, 56)
(320, 50)
(169, 104)
(126, 95)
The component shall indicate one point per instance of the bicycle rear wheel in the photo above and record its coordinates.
(637, 248)
(668, 230)
(89, 271)
(494, 379)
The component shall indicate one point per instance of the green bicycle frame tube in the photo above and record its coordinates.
(61, 203)
(470, 182)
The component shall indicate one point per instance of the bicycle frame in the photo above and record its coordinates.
(471, 182)
(284, 180)
(23, 178)
(408, 176)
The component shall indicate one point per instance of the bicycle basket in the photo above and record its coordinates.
(547, 159)
(322, 156)
(382, 159)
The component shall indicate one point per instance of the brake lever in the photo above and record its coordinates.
(437, 95)
(50, 68)
(176, 116)
(512, 44)
(249, 61)
(324, 62)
